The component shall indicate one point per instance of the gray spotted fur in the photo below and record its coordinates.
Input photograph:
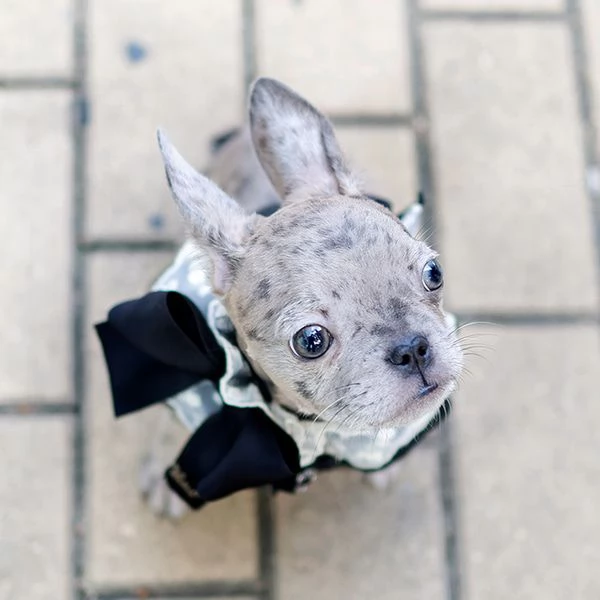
(329, 256)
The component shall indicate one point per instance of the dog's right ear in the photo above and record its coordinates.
(296, 145)
(217, 223)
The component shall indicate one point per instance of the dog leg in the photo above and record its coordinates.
(166, 443)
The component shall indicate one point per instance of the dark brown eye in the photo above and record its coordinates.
(432, 276)
(311, 341)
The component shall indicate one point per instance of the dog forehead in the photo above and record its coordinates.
(332, 254)
(326, 231)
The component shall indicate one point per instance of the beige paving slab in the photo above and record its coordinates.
(144, 592)
(344, 539)
(384, 158)
(36, 38)
(177, 65)
(494, 5)
(127, 544)
(35, 229)
(35, 510)
(515, 220)
(591, 23)
(344, 56)
(528, 449)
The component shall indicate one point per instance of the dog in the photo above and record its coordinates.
(335, 303)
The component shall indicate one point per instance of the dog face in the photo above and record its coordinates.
(334, 301)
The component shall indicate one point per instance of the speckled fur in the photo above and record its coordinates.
(328, 256)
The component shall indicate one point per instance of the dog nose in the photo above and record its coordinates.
(412, 355)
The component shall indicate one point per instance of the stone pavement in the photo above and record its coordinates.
(489, 106)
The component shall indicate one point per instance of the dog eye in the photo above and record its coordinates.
(432, 276)
(311, 341)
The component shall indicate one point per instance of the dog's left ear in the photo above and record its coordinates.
(217, 223)
(296, 145)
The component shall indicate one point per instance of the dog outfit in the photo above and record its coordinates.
(177, 345)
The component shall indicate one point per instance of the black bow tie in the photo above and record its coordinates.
(159, 345)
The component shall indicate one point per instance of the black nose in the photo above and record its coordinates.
(412, 355)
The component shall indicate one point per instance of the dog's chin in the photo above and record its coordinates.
(426, 402)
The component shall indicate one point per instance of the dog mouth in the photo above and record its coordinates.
(426, 390)
(431, 396)
(427, 400)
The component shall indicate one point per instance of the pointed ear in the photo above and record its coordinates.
(296, 145)
(217, 223)
(413, 218)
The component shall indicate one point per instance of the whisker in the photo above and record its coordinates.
(462, 331)
(474, 339)
(355, 412)
(339, 389)
(478, 347)
(474, 323)
(334, 416)
(479, 356)
(333, 391)
(328, 407)
(466, 334)
(424, 234)
(468, 372)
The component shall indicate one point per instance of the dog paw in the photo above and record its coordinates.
(159, 497)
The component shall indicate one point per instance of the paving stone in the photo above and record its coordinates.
(342, 55)
(35, 228)
(385, 160)
(344, 539)
(494, 5)
(127, 544)
(528, 451)
(175, 65)
(143, 592)
(515, 225)
(35, 507)
(36, 38)
(591, 25)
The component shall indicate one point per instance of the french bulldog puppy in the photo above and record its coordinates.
(335, 303)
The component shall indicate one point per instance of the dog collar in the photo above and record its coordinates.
(177, 345)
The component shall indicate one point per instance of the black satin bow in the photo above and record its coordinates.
(159, 345)
(155, 347)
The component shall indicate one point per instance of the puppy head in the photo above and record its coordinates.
(333, 300)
